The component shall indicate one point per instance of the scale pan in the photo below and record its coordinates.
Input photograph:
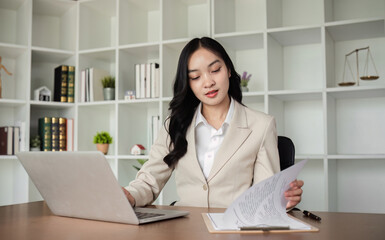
(369, 77)
(345, 84)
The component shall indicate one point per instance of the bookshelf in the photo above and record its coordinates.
(294, 49)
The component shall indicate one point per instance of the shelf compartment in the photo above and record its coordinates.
(340, 10)
(43, 68)
(53, 24)
(185, 19)
(283, 13)
(349, 117)
(313, 196)
(98, 24)
(301, 120)
(128, 58)
(354, 36)
(255, 102)
(38, 110)
(139, 21)
(105, 115)
(16, 60)
(233, 16)
(248, 54)
(104, 60)
(135, 125)
(12, 182)
(295, 59)
(171, 52)
(12, 113)
(346, 176)
(15, 19)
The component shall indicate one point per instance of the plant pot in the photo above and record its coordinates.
(35, 149)
(102, 147)
(109, 94)
(244, 89)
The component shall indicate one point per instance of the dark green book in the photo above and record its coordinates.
(55, 134)
(45, 133)
(71, 84)
(60, 84)
(62, 134)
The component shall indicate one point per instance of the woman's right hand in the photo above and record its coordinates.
(130, 198)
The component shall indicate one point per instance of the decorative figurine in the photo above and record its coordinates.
(6, 71)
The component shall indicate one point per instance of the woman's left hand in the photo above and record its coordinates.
(294, 193)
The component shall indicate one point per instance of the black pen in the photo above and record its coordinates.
(311, 215)
(264, 228)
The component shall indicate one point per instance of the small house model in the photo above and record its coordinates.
(42, 94)
(138, 149)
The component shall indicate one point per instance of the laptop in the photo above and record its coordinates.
(82, 185)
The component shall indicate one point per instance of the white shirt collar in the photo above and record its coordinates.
(201, 119)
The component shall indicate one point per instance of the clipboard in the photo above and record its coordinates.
(211, 229)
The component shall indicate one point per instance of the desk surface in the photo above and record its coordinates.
(35, 221)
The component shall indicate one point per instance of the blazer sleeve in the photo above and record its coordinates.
(154, 174)
(267, 163)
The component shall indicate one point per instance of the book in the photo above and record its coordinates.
(70, 134)
(137, 80)
(16, 140)
(22, 142)
(154, 128)
(83, 86)
(60, 83)
(62, 134)
(45, 133)
(142, 81)
(148, 81)
(71, 84)
(155, 78)
(96, 87)
(6, 140)
(55, 134)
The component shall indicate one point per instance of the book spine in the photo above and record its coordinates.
(148, 80)
(55, 134)
(3, 140)
(45, 133)
(16, 140)
(137, 80)
(60, 84)
(71, 84)
(142, 81)
(62, 134)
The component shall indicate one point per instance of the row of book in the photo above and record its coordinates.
(147, 80)
(64, 84)
(56, 134)
(91, 88)
(9, 140)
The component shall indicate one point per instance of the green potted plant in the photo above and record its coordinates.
(102, 140)
(108, 83)
(141, 162)
(35, 143)
(245, 81)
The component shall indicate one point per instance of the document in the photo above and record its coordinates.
(262, 205)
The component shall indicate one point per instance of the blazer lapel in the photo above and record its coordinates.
(237, 133)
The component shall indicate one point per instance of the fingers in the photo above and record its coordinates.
(296, 184)
(129, 197)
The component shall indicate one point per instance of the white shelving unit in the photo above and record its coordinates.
(294, 49)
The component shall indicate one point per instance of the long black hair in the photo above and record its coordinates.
(184, 103)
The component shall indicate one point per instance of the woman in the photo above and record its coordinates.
(217, 146)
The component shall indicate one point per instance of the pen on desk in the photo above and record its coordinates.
(311, 215)
(264, 228)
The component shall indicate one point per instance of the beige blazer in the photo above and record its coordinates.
(248, 154)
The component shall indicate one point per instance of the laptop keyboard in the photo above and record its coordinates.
(144, 215)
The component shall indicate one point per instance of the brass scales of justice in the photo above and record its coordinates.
(366, 76)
